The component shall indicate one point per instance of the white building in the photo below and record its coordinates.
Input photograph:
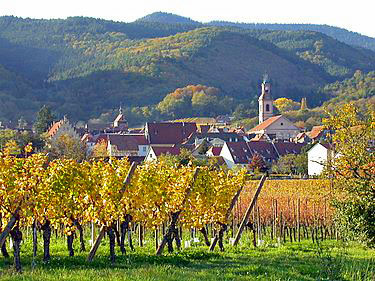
(318, 157)
(276, 127)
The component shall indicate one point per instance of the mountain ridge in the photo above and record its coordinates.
(339, 33)
(83, 67)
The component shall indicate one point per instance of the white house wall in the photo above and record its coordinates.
(317, 158)
(282, 128)
(227, 156)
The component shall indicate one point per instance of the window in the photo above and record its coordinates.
(267, 107)
(144, 148)
(281, 124)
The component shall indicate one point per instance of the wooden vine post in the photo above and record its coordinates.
(248, 211)
(227, 215)
(172, 227)
(103, 229)
(9, 227)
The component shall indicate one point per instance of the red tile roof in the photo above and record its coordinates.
(316, 132)
(100, 138)
(260, 137)
(215, 150)
(265, 149)
(204, 128)
(159, 150)
(240, 152)
(54, 128)
(328, 146)
(243, 152)
(266, 123)
(169, 133)
(87, 138)
(284, 148)
(127, 142)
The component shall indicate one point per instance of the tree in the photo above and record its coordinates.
(285, 104)
(22, 139)
(66, 147)
(257, 163)
(203, 147)
(5, 136)
(100, 150)
(44, 119)
(352, 171)
(291, 164)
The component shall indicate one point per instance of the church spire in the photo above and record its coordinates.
(265, 100)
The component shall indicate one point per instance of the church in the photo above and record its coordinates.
(272, 127)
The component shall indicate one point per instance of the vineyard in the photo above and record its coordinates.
(116, 199)
(289, 210)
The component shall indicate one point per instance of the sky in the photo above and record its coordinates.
(355, 16)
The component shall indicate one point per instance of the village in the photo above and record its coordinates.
(274, 137)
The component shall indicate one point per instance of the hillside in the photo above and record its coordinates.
(341, 34)
(337, 59)
(83, 67)
(359, 89)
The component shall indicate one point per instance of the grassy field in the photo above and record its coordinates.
(329, 260)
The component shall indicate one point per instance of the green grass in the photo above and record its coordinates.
(330, 260)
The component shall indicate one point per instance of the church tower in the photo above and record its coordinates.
(265, 101)
(120, 121)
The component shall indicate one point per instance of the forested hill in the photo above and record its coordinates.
(84, 66)
(341, 34)
(167, 18)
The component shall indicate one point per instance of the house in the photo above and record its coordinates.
(156, 151)
(276, 127)
(62, 127)
(236, 154)
(317, 133)
(302, 138)
(318, 157)
(121, 145)
(215, 137)
(163, 133)
(241, 153)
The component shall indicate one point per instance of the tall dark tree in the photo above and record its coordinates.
(257, 163)
(44, 119)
